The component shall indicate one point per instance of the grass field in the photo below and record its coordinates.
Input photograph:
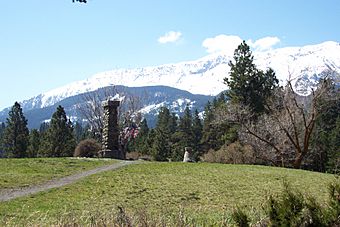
(163, 193)
(28, 171)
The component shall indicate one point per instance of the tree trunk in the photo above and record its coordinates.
(298, 161)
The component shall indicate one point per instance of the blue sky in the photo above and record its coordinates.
(45, 44)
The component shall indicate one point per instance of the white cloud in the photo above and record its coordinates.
(228, 43)
(222, 43)
(170, 37)
(265, 43)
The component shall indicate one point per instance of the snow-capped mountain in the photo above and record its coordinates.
(205, 76)
(147, 99)
(303, 65)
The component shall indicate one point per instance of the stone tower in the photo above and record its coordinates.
(110, 144)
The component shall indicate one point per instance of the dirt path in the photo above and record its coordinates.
(8, 194)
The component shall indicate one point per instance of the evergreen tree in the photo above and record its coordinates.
(15, 138)
(325, 134)
(216, 133)
(59, 140)
(2, 129)
(161, 148)
(34, 143)
(247, 84)
(165, 120)
(149, 141)
(185, 123)
(197, 129)
(173, 123)
(207, 127)
(333, 155)
(183, 137)
(80, 132)
(43, 127)
(141, 140)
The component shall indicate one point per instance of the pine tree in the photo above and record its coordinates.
(80, 132)
(34, 143)
(141, 140)
(59, 140)
(150, 141)
(216, 133)
(333, 154)
(325, 134)
(185, 122)
(207, 127)
(173, 123)
(43, 127)
(183, 136)
(165, 120)
(197, 129)
(161, 147)
(2, 129)
(247, 84)
(15, 138)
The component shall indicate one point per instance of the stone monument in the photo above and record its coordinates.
(188, 155)
(110, 144)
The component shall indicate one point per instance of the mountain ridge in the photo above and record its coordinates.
(205, 75)
(305, 66)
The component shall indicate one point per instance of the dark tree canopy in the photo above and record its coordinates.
(15, 138)
(59, 140)
(247, 84)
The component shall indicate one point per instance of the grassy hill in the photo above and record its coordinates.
(163, 193)
(29, 171)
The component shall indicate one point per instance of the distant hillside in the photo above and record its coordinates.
(151, 98)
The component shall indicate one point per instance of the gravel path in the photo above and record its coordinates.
(8, 194)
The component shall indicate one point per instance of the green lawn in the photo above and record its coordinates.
(28, 171)
(165, 192)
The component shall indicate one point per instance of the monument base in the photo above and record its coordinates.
(116, 154)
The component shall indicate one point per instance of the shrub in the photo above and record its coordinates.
(87, 148)
(240, 218)
(292, 209)
(234, 153)
(287, 209)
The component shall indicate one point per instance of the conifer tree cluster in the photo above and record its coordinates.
(281, 127)
(54, 139)
(59, 139)
(171, 135)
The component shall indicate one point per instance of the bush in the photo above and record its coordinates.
(87, 148)
(292, 209)
(240, 218)
(234, 153)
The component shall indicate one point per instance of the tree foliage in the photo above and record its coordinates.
(161, 147)
(141, 143)
(34, 143)
(59, 139)
(15, 138)
(248, 85)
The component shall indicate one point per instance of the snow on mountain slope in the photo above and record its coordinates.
(205, 76)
